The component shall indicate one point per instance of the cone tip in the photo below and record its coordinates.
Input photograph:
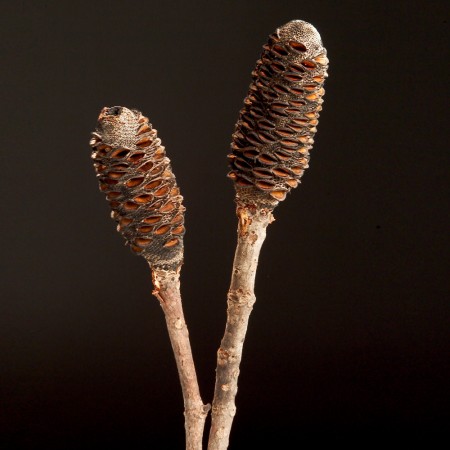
(304, 33)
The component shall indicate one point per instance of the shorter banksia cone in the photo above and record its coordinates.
(276, 126)
(135, 174)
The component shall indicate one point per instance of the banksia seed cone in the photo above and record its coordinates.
(275, 129)
(135, 174)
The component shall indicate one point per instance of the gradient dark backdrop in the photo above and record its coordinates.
(349, 339)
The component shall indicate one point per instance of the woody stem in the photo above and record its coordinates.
(241, 298)
(167, 291)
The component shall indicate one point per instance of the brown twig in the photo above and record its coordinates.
(269, 154)
(167, 291)
(252, 226)
(136, 176)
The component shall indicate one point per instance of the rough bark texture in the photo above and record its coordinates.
(241, 298)
(167, 291)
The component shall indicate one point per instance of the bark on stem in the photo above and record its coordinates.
(167, 291)
(251, 234)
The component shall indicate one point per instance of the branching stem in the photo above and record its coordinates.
(241, 298)
(167, 291)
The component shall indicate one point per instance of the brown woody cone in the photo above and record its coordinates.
(276, 126)
(135, 174)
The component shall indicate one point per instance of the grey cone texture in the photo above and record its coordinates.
(276, 126)
(136, 176)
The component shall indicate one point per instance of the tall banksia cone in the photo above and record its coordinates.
(136, 176)
(276, 126)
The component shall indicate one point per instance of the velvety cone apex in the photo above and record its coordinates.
(136, 176)
(303, 33)
(276, 126)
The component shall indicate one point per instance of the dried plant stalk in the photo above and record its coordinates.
(270, 151)
(167, 291)
(136, 176)
(252, 226)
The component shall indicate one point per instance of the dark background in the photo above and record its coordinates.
(349, 340)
